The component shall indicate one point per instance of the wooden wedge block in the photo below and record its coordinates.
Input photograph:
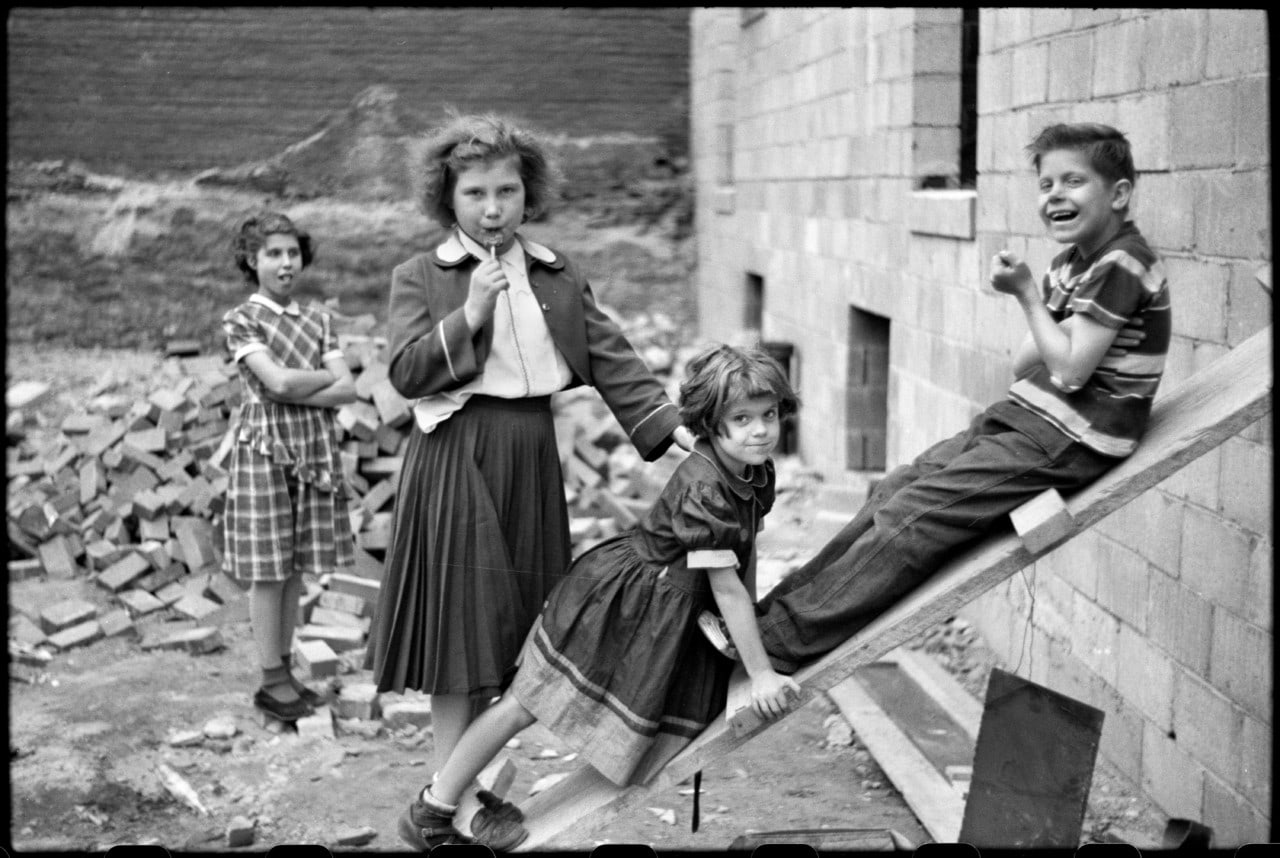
(497, 778)
(1042, 521)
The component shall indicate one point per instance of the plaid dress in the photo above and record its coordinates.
(286, 510)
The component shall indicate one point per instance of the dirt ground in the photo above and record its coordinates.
(87, 737)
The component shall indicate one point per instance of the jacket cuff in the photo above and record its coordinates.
(652, 435)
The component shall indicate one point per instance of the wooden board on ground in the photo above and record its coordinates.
(1195, 417)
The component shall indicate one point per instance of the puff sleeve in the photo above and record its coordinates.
(244, 334)
(705, 523)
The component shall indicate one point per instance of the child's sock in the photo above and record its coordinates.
(435, 804)
(275, 680)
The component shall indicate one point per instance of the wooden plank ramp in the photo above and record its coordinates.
(1189, 421)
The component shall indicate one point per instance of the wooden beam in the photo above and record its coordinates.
(932, 798)
(1215, 404)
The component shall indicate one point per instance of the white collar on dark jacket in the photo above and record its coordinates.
(452, 251)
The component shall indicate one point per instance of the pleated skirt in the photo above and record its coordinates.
(480, 536)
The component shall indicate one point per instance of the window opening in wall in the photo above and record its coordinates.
(966, 154)
(753, 305)
(867, 392)
(969, 99)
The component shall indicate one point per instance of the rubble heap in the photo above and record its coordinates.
(128, 495)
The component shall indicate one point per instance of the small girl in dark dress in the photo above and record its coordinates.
(615, 664)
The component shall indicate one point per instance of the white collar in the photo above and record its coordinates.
(293, 309)
(459, 246)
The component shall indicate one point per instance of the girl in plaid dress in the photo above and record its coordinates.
(286, 512)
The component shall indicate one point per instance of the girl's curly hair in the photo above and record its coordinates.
(465, 141)
(252, 235)
(719, 374)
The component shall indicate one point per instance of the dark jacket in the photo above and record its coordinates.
(433, 349)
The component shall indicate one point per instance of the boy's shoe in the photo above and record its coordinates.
(504, 809)
(713, 628)
(424, 828)
(283, 710)
(498, 831)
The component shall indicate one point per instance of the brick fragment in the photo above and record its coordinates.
(339, 638)
(65, 614)
(241, 832)
(197, 641)
(358, 700)
(403, 713)
(124, 572)
(78, 635)
(315, 658)
(316, 726)
(115, 622)
(140, 602)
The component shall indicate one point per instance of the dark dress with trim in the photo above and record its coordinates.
(615, 665)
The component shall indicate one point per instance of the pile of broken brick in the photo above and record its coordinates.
(127, 496)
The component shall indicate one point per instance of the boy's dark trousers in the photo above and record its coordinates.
(919, 516)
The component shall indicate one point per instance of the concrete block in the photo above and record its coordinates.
(56, 557)
(139, 602)
(345, 602)
(196, 641)
(339, 638)
(22, 570)
(65, 614)
(124, 572)
(1144, 676)
(241, 832)
(78, 635)
(23, 630)
(315, 727)
(1180, 622)
(170, 593)
(1207, 725)
(355, 585)
(315, 658)
(1171, 778)
(359, 700)
(116, 622)
(366, 566)
(322, 616)
(402, 713)
(196, 607)
(1241, 663)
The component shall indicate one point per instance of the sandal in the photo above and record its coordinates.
(282, 710)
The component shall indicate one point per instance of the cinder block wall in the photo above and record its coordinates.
(811, 130)
(172, 88)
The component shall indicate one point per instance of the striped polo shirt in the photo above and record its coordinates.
(1122, 285)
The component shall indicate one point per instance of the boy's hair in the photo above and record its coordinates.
(1106, 148)
(719, 374)
(253, 233)
(465, 141)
